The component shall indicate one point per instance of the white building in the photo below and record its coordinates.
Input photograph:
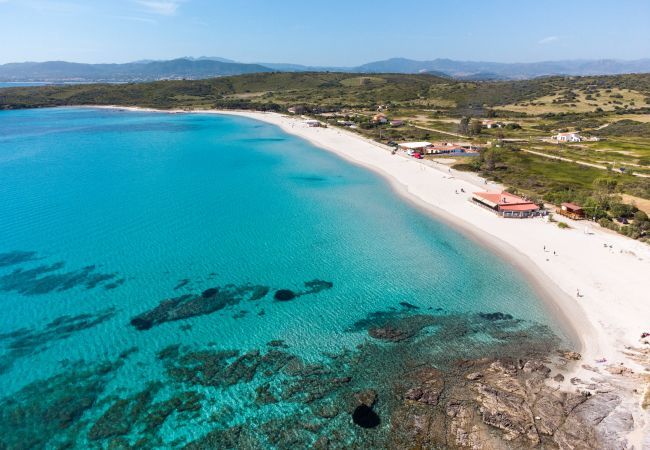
(411, 147)
(491, 124)
(313, 123)
(567, 137)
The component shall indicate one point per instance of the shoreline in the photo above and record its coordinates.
(610, 271)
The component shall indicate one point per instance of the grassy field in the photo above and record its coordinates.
(579, 101)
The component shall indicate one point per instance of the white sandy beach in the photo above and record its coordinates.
(611, 272)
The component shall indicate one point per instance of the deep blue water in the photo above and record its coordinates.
(105, 214)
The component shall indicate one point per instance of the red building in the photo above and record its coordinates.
(506, 204)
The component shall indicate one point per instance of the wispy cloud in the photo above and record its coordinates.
(548, 40)
(135, 18)
(160, 7)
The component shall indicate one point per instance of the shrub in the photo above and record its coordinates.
(562, 225)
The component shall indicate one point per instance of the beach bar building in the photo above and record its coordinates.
(414, 147)
(506, 204)
(572, 211)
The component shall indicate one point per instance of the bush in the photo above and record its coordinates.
(562, 225)
(607, 223)
(622, 210)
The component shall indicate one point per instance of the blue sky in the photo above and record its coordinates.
(333, 32)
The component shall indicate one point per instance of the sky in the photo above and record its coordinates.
(329, 33)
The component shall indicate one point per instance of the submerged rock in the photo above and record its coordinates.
(16, 257)
(284, 295)
(50, 413)
(366, 397)
(315, 286)
(45, 279)
(496, 316)
(408, 305)
(389, 333)
(28, 342)
(188, 305)
(570, 355)
(182, 283)
(208, 293)
(365, 417)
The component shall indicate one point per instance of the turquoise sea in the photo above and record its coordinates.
(168, 278)
(7, 84)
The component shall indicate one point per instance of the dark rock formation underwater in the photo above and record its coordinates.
(418, 381)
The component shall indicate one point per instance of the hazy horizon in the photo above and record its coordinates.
(235, 60)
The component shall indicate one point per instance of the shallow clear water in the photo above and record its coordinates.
(142, 207)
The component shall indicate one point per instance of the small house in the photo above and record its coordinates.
(313, 123)
(298, 109)
(572, 211)
(491, 124)
(380, 118)
(568, 137)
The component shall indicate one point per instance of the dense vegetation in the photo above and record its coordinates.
(553, 181)
(626, 128)
(323, 90)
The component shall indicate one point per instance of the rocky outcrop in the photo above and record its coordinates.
(504, 404)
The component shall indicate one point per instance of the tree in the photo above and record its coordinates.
(640, 216)
(463, 126)
(491, 157)
(605, 185)
(617, 209)
(475, 127)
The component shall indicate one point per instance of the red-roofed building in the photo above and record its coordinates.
(572, 211)
(506, 204)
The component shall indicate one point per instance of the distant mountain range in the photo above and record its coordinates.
(61, 71)
(207, 67)
(463, 69)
